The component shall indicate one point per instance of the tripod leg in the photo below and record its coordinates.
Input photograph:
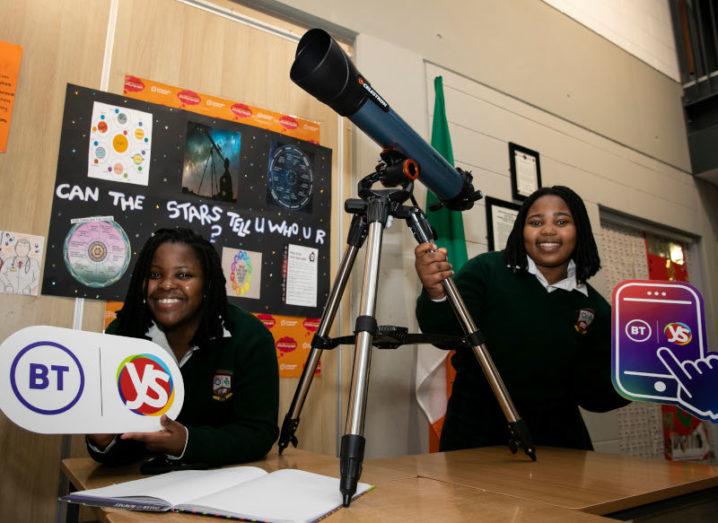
(357, 234)
(519, 436)
(352, 444)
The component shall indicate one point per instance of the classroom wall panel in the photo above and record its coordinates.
(489, 120)
(62, 42)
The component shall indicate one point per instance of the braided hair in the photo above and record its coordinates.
(135, 317)
(585, 254)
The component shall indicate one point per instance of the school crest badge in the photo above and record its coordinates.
(222, 385)
(584, 320)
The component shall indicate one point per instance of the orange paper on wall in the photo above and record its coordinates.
(9, 69)
(293, 341)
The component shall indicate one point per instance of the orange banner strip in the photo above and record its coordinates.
(215, 107)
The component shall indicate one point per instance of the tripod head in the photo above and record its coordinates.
(396, 170)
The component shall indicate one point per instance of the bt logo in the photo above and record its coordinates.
(47, 377)
(678, 333)
(145, 385)
(638, 330)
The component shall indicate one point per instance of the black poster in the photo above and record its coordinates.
(127, 168)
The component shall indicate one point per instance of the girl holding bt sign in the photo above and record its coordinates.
(177, 299)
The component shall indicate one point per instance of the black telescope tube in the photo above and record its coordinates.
(324, 70)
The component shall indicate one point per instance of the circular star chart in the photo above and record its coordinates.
(97, 253)
(290, 177)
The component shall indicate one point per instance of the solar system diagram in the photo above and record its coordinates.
(120, 144)
(128, 167)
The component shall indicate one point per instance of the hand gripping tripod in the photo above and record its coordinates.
(370, 213)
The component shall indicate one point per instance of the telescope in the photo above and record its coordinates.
(324, 70)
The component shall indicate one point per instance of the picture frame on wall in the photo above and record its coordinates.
(500, 217)
(525, 171)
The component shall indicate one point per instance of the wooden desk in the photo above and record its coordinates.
(399, 495)
(572, 479)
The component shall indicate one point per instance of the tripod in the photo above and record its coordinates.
(369, 217)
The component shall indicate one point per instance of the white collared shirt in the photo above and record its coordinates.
(568, 284)
(157, 335)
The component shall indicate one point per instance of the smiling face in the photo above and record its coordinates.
(550, 236)
(175, 284)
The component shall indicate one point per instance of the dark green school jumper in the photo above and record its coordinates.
(232, 424)
(553, 351)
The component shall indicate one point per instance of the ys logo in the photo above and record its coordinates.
(145, 385)
(678, 333)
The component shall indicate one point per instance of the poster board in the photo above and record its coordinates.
(128, 167)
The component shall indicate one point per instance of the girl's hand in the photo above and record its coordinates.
(170, 440)
(432, 268)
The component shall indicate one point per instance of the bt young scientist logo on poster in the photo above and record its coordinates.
(67, 381)
(145, 385)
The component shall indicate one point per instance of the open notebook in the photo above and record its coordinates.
(285, 495)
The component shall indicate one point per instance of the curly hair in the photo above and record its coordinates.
(585, 254)
(135, 317)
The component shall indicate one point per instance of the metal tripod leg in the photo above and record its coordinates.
(357, 233)
(518, 431)
(519, 436)
(351, 454)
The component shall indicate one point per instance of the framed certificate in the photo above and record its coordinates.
(500, 217)
(525, 171)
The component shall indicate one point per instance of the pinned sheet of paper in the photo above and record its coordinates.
(20, 258)
(301, 276)
(120, 144)
(10, 55)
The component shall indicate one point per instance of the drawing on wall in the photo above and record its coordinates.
(243, 271)
(120, 144)
(96, 251)
(20, 256)
(211, 162)
(290, 177)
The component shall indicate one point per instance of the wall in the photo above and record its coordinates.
(528, 50)
(641, 27)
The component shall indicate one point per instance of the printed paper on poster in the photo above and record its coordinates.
(120, 144)
(301, 276)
